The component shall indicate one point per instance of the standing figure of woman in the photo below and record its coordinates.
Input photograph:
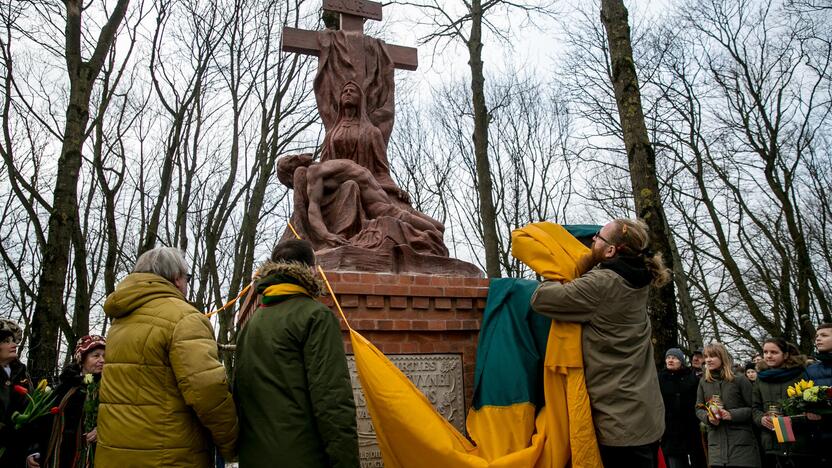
(67, 439)
(12, 398)
(781, 367)
(723, 403)
(354, 137)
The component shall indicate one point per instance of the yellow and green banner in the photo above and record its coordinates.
(530, 409)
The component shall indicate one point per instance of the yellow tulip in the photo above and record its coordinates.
(42, 385)
(791, 392)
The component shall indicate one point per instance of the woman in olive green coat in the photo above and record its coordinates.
(724, 405)
(781, 367)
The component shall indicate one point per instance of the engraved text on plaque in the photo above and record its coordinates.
(439, 376)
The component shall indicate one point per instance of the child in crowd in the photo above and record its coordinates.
(821, 374)
(821, 371)
(724, 404)
(781, 367)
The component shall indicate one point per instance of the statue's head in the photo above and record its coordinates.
(350, 94)
(287, 165)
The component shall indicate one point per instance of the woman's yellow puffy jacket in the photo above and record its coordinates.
(164, 394)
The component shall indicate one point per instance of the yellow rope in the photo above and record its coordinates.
(229, 303)
(334, 299)
(293, 230)
(245, 290)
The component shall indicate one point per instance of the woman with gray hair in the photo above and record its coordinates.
(164, 397)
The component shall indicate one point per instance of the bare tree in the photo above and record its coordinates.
(63, 218)
(468, 28)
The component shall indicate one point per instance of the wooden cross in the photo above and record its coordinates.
(352, 16)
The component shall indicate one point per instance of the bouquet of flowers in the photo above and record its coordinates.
(805, 397)
(91, 387)
(40, 404)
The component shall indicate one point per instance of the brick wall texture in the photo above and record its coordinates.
(413, 314)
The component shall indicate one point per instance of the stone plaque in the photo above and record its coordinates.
(439, 376)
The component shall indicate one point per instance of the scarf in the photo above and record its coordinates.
(631, 268)
(277, 286)
(825, 358)
(780, 375)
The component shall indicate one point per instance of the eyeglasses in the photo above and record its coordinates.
(599, 236)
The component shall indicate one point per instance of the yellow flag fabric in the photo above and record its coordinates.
(553, 253)
(411, 434)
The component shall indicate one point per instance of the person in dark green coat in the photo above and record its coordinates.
(781, 367)
(291, 383)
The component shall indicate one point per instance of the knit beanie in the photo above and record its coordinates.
(87, 344)
(678, 354)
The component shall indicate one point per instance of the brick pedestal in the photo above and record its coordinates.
(414, 314)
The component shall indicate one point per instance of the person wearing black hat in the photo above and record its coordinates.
(67, 438)
(696, 363)
(678, 387)
(751, 372)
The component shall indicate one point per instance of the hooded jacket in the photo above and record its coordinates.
(164, 395)
(611, 302)
(291, 380)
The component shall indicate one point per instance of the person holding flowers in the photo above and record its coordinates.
(723, 403)
(13, 394)
(781, 367)
(67, 439)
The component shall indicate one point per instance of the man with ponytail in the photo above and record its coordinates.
(610, 299)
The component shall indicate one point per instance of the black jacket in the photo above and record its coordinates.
(681, 427)
(13, 440)
(72, 412)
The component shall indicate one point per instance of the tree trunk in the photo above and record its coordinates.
(484, 183)
(43, 349)
(642, 163)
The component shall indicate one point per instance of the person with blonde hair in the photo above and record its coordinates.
(610, 299)
(723, 403)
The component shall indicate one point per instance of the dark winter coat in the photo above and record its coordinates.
(681, 428)
(730, 443)
(13, 440)
(821, 372)
(772, 389)
(71, 400)
(291, 384)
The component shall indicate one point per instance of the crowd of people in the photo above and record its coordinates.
(165, 400)
(724, 416)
